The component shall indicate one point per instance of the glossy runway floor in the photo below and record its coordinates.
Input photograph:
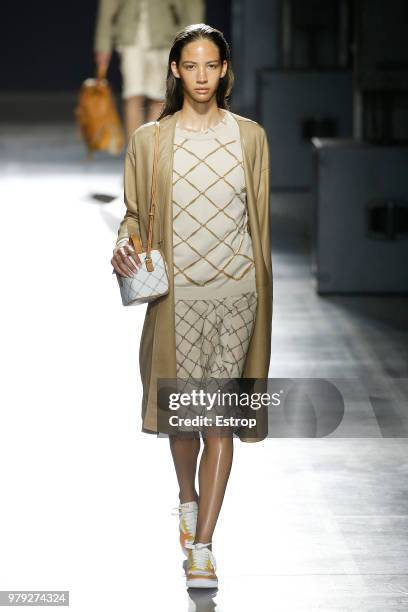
(307, 523)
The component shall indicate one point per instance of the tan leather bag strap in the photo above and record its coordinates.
(137, 243)
(153, 189)
(135, 239)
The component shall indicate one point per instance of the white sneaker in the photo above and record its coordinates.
(201, 566)
(188, 521)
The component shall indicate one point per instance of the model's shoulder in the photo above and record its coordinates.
(143, 129)
(248, 121)
(242, 118)
(141, 135)
(250, 124)
(146, 129)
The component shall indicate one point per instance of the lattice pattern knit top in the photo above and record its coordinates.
(212, 246)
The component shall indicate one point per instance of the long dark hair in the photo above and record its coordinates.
(174, 87)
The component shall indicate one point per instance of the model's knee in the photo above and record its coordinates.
(134, 101)
(217, 443)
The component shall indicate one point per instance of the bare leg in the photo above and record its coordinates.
(185, 451)
(154, 109)
(134, 111)
(214, 471)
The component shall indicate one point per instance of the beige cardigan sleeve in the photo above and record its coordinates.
(103, 37)
(130, 223)
(263, 202)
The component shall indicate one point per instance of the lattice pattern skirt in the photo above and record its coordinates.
(212, 339)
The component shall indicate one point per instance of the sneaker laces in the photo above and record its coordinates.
(189, 516)
(200, 554)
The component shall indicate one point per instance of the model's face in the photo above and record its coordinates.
(200, 69)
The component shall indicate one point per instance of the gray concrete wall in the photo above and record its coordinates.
(255, 36)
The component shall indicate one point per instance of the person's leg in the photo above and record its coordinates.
(154, 109)
(134, 111)
(132, 70)
(214, 470)
(155, 81)
(185, 451)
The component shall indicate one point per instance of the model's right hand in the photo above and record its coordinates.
(125, 260)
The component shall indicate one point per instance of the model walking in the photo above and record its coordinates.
(213, 229)
(141, 32)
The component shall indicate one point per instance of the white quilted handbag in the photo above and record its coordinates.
(151, 280)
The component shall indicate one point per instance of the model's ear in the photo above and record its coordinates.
(174, 69)
(224, 68)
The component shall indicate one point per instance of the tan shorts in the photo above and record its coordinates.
(144, 70)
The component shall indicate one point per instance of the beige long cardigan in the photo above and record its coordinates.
(157, 353)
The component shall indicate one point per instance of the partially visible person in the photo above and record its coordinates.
(141, 31)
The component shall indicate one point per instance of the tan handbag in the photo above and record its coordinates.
(151, 280)
(97, 118)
